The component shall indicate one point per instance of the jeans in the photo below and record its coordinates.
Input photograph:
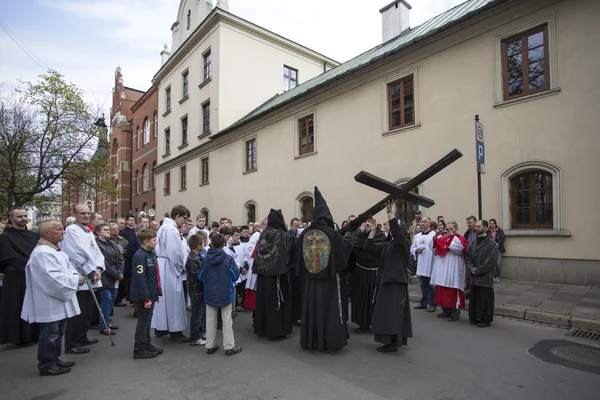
(499, 266)
(142, 329)
(50, 343)
(211, 327)
(198, 317)
(427, 292)
(107, 301)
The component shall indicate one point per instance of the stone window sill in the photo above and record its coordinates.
(204, 184)
(200, 86)
(166, 154)
(184, 99)
(183, 190)
(167, 112)
(523, 99)
(314, 153)
(250, 171)
(183, 146)
(400, 130)
(538, 232)
(203, 135)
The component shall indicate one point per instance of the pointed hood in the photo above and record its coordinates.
(321, 211)
(275, 220)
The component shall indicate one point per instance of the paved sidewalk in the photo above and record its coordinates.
(563, 305)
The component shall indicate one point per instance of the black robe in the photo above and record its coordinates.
(364, 278)
(16, 246)
(272, 264)
(323, 324)
(391, 315)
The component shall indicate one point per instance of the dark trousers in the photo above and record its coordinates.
(123, 292)
(142, 329)
(427, 292)
(50, 343)
(451, 312)
(78, 325)
(198, 317)
(241, 293)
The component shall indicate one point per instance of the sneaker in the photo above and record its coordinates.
(143, 354)
(234, 350)
(198, 342)
(498, 280)
(154, 349)
(203, 336)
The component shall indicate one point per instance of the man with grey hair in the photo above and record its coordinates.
(121, 223)
(16, 245)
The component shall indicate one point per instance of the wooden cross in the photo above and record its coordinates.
(400, 192)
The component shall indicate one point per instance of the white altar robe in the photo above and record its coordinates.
(426, 258)
(449, 269)
(251, 281)
(169, 312)
(80, 245)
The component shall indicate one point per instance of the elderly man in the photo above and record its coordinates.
(16, 244)
(154, 225)
(121, 223)
(80, 245)
(481, 260)
(51, 297)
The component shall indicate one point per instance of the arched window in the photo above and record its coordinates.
(250, 211)
(116, 152)
(117, 196)
(137, 137)
(146, 131)
(155, 124)
(306, 208)
(135, 182)
(153, 180)
(145, 178)
(145, 209)
(531, 204)
(189, 19)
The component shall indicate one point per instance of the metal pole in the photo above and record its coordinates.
(479, 207)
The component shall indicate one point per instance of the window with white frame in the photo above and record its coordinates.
(146, 131)
(290, 78)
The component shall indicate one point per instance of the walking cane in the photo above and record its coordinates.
(89, 285)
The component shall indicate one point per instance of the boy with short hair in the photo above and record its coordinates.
(219, 273)
(145, 289)
(193, 266)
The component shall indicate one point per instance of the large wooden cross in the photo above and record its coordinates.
(400, 192)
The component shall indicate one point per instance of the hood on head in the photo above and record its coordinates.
(215, 256)
(275, 219)
(321, 211)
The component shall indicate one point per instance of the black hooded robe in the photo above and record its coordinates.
(16, 246)
(323, 325)
(364, 278)
(391, 315)
(272, 263)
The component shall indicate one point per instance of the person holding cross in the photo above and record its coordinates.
(392, 324)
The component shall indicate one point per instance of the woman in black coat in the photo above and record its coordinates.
(498, 236)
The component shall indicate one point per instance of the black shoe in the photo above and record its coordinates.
(483, 324)
(144, 354)
(135, 314)
(78, 350)
(54, 370)
(453, 318)
(94, 326)
(113, 327)
(419, 307)
(154, 349)
(179, 338)
(333, 351)
(235, 350)
(158, 333)
(88, 342)
(65, 364)
(211, 351)
(443, 315)
(388, 348)
(362, 329)
(472, 322)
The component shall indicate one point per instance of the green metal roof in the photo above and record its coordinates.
(443, 21)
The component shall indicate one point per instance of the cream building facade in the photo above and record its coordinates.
(528, 68)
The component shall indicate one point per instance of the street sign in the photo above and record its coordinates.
(480, 152)
(481, 168)
(479, 131)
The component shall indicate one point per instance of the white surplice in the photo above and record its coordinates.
(80, 245)
(251, 281)
(426, 258)
(51, 286)
(169, 312)
(449, 269)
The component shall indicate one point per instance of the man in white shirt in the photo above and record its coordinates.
(200, 226)
(50, 297)
(423, 246)
(80, 245)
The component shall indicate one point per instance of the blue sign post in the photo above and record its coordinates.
(480, 157)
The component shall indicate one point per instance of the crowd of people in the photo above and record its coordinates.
(178, 273)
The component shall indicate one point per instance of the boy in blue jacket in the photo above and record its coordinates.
(145, 289)
(219, 275)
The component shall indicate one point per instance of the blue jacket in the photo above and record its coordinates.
(219, 275)
(145, 283)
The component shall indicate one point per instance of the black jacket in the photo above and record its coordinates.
(193, 266)
(145, 284)
(483, 257)
(394, 254)
(500, 238)
(127, 232)
(132, 247)
(113, 262)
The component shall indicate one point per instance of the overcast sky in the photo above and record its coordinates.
(87, 39)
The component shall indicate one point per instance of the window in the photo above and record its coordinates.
(117, 196)
(189, 19)
(306, 135)
(306, 209)
(146, 131)
(168, 99)
(168, 141)
(251, 155)
(145, 178)
(153, 175)
(135, 182)
(401, 110)
(183, 178)
(184, 131)
(116, 153)
(206, 117)
(186, 84)
(204, 172)
(290, 78)
(155, 124)
(405, 209)
(531, 200)
(167, 188)
(207, 66)
(250, 213)
(137, 138)
(525, 63)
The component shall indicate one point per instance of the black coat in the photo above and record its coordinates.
(275, 248)
(394, 254)
(145, 284)
(113, 263)
(484, 258)
(500, 238)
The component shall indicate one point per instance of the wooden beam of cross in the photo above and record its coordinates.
(399, 192)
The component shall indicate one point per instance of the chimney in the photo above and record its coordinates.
(164, 55)
(394, 19)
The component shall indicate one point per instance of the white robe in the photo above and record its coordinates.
(83, 252)
(240, 256)
(426, 258)
(169, 312)
(51, 286)
(251, 281)
(449, 269)
(195, 229)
